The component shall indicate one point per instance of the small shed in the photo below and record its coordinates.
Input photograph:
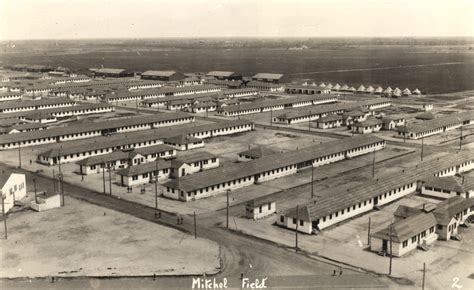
(259, 208)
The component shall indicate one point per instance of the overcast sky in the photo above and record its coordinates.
(61, 19)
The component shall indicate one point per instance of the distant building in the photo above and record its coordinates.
(224, 75)
(13, 188)
(268, 77)
(112, 73)
(165, 76)
(328, 122)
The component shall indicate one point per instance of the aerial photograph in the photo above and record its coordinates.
(236, 144)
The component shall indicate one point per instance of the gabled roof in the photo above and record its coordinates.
(110, 70)
(368, 123)
(425, 116)
(303, 213)
(407, 228)
(182, 139)
(216, 73)
(159, 73)
(447, 183)
(195, 157)
(329, 118)
(144, 168)
(270, 76)
(450, 207)
(257, 152)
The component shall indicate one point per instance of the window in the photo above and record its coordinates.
(294, 221)
(405, 243)
(282, 219)
(413, 239)
(440, 227)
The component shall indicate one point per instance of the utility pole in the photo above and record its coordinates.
(136, 104)
(424, 274)
(271, 116)
(422, 145)
(373, 165)
(460, 140)
(110, 179)
(61, 180)
(4, 216)
(54, 182)
(296, 230)
(156, 182)
(227, 220)
(34, 183)
(309, 121)
(312, 180)
(405, 132)
(391, 255)
(368, 233)
(59, 158)
(195, 228)
(19, 154)
(103, 176)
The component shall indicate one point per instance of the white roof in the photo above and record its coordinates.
(361, 88)
(416, 91)
(406, 91)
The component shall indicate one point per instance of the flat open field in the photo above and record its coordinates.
(436, 67)
(81, 239)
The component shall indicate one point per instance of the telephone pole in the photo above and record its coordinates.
(312, 180)
(227, 220)
(271, 116)
(460, 140)
(103, 176)
(110, 179)
(19, 154)
(373, 165)
(156, 182)
(54, 182)
(296, 230)
(368, 233)
(195, 228)
(391, 255)
(36, 197)
(4, 216)
(422, 145)
(309, 121)
(424, 274)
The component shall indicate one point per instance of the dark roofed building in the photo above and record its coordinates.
(268, 77)
(111, 73)
(224, 75)
(165, 76)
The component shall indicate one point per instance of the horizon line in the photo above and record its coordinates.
(242, 37)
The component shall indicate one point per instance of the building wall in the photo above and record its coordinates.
(349, 212)
(276, 173)
(440, 193)
(13, 189)
(400, 249)
(210, 190)
(46, 204)
(290, 223)
(261, 211)
(143, 178)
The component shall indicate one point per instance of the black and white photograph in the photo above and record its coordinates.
(236, 144)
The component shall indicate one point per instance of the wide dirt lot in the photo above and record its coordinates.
(86, 240)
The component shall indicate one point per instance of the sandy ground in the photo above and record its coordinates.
(347, 243)
(85, 240)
